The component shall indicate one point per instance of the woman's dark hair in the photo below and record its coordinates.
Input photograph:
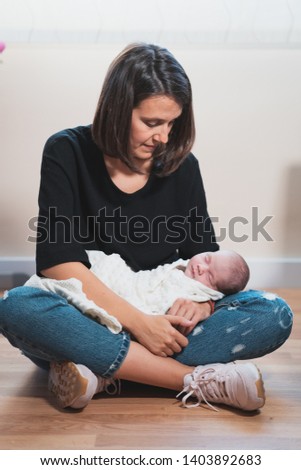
(139, 72)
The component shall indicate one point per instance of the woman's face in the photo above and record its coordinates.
(152, 121)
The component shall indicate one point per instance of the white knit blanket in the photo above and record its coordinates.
(153, 292)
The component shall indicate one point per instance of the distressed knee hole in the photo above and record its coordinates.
(285, 317)
(5, 295)
(197, 330)
(237, 348)
(269, 296)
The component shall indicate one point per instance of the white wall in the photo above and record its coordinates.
(248, 111)
(192, 22)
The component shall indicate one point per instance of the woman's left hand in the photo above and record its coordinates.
(191, 310)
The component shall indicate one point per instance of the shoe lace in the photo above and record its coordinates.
(197, 387)
(112, 386)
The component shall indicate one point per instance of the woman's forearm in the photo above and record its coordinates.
(129, 316)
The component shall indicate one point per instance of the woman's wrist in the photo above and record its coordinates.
(136, 322)
(133, 322)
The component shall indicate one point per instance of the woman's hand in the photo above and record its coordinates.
(193, 311)
(160, 335)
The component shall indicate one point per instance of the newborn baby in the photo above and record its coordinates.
(224, 271)
(206, 276)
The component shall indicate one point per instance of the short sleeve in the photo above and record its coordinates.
(57, 221)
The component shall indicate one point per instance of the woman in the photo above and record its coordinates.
(129, 185)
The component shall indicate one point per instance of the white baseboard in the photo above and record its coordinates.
(265, 272)
(15, 270)
(274, 273)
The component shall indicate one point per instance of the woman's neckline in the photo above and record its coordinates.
(124, 180)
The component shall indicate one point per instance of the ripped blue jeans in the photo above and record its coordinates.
(246, 325)
(46, 328)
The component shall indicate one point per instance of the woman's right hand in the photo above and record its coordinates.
(159, 334)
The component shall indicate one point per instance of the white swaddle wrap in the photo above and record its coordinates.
(153, 291)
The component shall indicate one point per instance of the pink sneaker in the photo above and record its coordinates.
(74, 385)
(237, 385)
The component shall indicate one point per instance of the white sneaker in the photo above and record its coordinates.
(74, 385)
(237, 385)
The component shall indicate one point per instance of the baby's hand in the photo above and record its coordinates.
(193, 311)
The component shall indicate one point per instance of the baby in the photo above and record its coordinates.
(206, 276)
(224, 271)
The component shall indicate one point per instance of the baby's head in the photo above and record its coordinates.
(225, 271)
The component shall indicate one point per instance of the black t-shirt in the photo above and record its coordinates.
(82, 209)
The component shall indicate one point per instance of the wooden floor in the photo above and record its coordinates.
(148, 418)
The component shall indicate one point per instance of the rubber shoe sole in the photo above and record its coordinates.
(260, 389)
(73, 385)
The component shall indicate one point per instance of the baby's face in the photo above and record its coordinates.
(210, 267)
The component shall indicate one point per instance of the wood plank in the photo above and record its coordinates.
(145, 417)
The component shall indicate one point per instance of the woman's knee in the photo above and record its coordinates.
(275, 308)
(11, 302)
(282, 314)
(277, 319)
(21, 302)
(267, 315)
(277, 323)
(255, 301)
